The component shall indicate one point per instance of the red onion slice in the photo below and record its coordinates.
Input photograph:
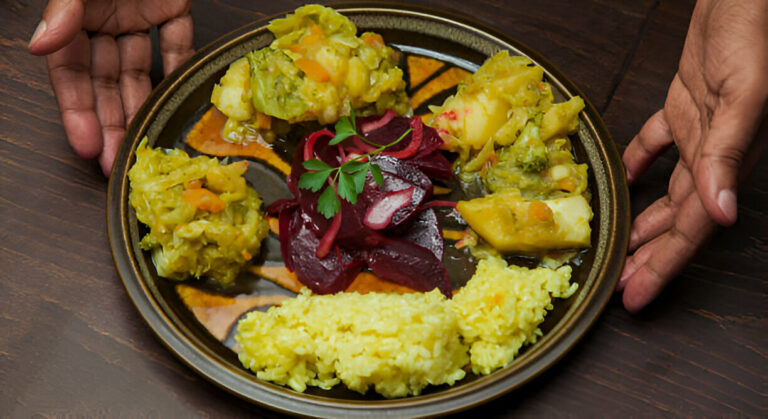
(326, 243)
(309, 147)
(416, 137)
(374, 125)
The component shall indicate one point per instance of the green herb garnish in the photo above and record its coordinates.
(348, 180)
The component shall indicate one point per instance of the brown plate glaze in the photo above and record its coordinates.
(186, 327)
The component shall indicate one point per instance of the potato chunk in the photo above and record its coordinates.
(511, 224)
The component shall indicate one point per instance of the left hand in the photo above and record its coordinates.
(99, 56)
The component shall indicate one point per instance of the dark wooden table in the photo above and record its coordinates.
(71, 342)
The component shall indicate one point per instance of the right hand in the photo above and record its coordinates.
(99, 56)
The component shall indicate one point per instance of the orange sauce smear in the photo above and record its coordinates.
(420, 68)
(450, 78)
(219, 313)
(205, 137)
(363, 283)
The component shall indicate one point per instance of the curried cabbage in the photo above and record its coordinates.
(316, 69)
(204, 220)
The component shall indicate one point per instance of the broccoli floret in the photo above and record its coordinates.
(529, 151)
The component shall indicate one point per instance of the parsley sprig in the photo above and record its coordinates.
(347, 180)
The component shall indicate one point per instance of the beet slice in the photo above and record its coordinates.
(434, 165)
(405, 170)
(406, 263)
(331, 274)
(425, 231)
(380, 213)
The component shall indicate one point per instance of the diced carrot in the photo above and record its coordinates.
(204, 200)
(274, 225)
(246, 254)
(373, 40)
(314, 36)
(263, 121)
(453, 234)
(193, 184)
(440, 190)
(539, 211)
(298, 49)
(567, 184)
(313, 70)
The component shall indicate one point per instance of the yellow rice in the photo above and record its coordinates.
(400, 343)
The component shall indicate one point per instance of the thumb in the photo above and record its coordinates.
(722, 157)
(62, 20)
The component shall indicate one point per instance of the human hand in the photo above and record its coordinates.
(99, 57)
(713, 114)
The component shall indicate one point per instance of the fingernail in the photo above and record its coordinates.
(630, 178)
(629, 270)
(41, 27)
(726, 200)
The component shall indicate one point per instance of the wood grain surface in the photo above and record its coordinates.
(72, 344)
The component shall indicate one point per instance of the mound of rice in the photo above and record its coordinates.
(396, 343)
(501, 308)
(400, 343)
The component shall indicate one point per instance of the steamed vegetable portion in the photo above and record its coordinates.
(512, 138)
(203, 218)
(316, 69)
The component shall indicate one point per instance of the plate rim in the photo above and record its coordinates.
(482, 390)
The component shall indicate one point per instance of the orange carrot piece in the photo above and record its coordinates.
(539, 211)
(274, 225)
(193, 184)
(263, 121)
(373, 40)
(314, 36)
(313, 70)
(453, 234)
(203, 199)
(567, 184)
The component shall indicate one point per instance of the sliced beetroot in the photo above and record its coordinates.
(434, 165)
(430, 140)
(281, 205)
(425, 231)
(406, 263)
(330, 274)
(403, 169)
(380, 213)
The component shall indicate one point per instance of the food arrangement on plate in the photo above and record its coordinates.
(377, 195)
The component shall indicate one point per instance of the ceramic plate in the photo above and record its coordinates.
(194, 318)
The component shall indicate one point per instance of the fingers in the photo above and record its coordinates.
(660, 216)
(176, 42)
(135, 64)
(654, 137)
(661, 259)
(69, 69)
(62, 21)
(105, 71)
